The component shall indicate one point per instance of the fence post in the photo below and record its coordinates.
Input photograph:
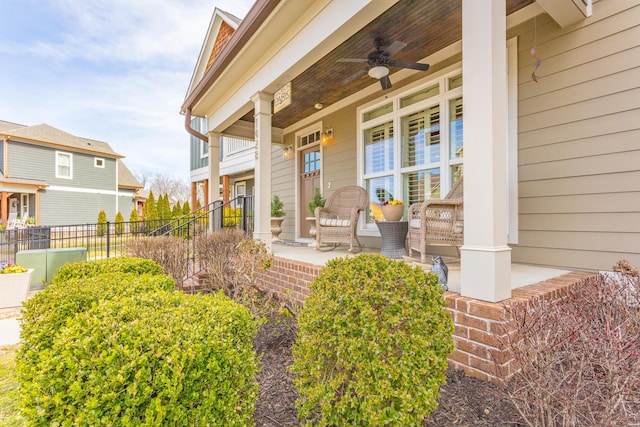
(108, 237)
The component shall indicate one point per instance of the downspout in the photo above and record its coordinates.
(189, 129)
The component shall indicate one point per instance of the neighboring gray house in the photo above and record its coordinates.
(57, 178)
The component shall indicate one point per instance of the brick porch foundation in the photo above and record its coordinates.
(479, 325)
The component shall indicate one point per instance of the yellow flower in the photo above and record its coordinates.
(395, 202)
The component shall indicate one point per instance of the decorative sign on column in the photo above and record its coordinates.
(282, 98)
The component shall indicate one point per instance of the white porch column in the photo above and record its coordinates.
(214, 174)
(485, 256)
(262, 196)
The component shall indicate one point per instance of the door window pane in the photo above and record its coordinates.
(311, 161)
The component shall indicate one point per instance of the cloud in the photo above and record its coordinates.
(115, 71)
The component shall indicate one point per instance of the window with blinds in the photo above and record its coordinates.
(421, 137)
(378, 147)
(424, 158)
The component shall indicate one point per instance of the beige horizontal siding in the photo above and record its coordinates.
(619, 222)
(599, 202)
(593, 241)
(597, 145)
(626, 182)
(622, 121)
(579, 140)
(577, 259)
(584, 166)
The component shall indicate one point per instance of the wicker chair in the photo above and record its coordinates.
(437, 223)
(337, 221)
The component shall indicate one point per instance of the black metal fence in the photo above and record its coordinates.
(104, 240)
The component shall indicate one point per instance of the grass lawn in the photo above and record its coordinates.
(9, 412)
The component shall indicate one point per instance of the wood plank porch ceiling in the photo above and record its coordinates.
(426, 26)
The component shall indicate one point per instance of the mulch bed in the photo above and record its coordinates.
(464, 401)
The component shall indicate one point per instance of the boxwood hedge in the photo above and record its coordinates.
(48, 311)
(75, 270)
(373, 344)
(153, 359)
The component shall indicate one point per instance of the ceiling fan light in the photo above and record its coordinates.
(378, 72)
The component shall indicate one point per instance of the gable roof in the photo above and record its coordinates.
(221, 28)
(48, 135)
(6, 126)
(126, 178)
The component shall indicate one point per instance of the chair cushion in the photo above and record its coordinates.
(334, 222)
(414, 223)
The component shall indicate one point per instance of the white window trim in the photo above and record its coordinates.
(202, 153)
(96, 161)
(64, 153)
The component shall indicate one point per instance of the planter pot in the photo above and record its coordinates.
(14, 288)
(312, 225)
(393, 212)
(276, 228)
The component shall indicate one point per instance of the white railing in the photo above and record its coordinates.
(232, 146)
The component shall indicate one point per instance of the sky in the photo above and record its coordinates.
(115, 71)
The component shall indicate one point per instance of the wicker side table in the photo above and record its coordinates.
(393, 234)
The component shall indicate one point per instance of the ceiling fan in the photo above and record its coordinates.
(379, 61)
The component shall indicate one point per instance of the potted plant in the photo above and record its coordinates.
(14, 285)
(317, 201)
(277, 216)
(393, 210)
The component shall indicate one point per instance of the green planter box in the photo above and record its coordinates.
(45, 262)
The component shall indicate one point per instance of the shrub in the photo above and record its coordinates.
(232, 217)
(373, 344)
(230, 261)
(277, 207)
(119, 223)
(316, 201)
(81, 269)
(134, 221)
(154, 359)
(168, 251)
(576, 358)
(48, 311)
(101, 229)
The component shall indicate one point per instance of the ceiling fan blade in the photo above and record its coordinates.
(385, 82)
(352, 60)
(353, 76)
(394, 48)
(411, 65)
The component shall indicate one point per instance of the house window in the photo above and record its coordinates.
(98, 162)
(412, 147)
(64, 165)
(204, 149)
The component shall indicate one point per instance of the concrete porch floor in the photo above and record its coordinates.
(521, 274)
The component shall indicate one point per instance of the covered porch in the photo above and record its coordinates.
(297, 73)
